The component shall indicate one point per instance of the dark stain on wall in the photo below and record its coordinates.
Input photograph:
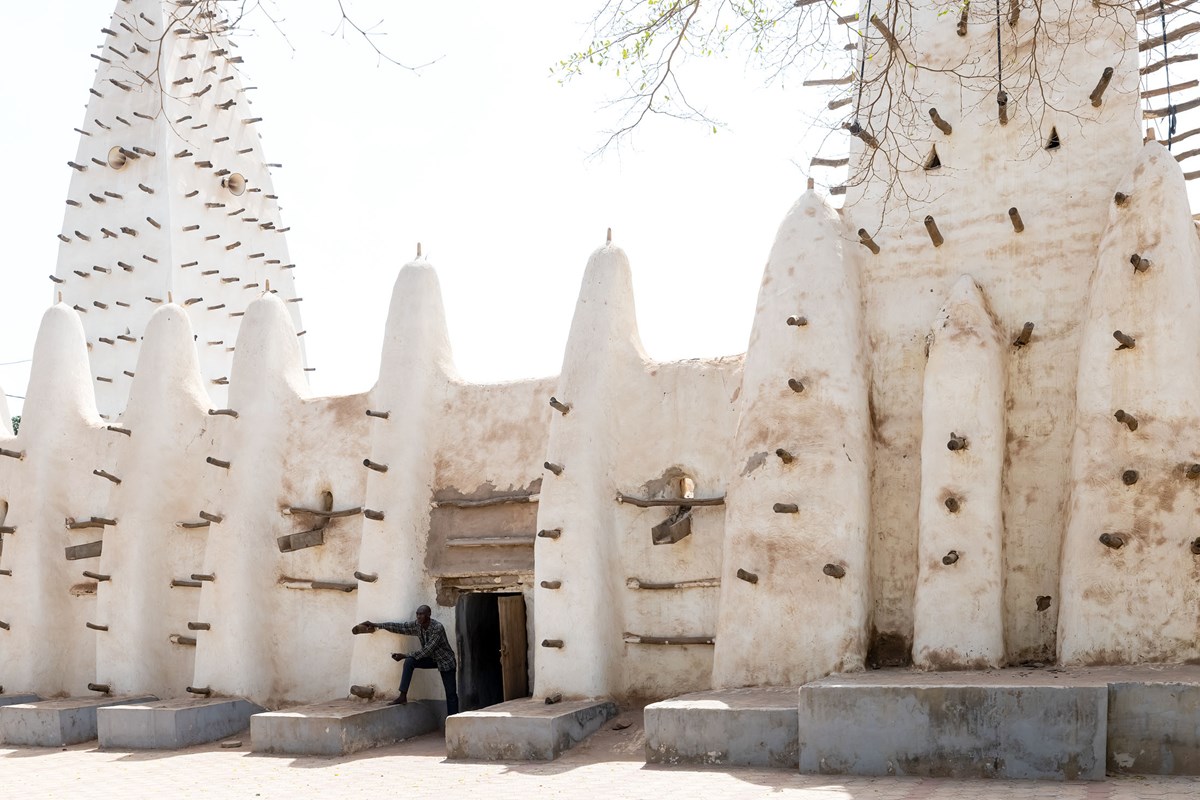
(889, 649)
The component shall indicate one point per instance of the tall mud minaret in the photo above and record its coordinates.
(170, 195)
(943, 183)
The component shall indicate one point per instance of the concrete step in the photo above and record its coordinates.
(525, 730)
(13, 699)
(1044, 722)
(173, 724)
(56, 723)
(339, 727)
(735, 727)
(1154, 720)
(1022, 724)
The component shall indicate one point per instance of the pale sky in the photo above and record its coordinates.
(482, 157)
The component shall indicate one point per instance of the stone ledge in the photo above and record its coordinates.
(339, 727)
(1154, 722)
(1014, 724)
(525, 730)
(729, 727)
(173, 724)
(1149, 726)
(57, 723)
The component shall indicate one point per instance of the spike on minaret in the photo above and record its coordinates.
(169, 174)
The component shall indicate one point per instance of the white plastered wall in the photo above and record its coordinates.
(676, 420)
(1039, 275)
(275, 637)
(958, 619)
(1137, 603)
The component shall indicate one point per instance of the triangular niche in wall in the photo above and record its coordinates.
(1053, 142)
(933, 162)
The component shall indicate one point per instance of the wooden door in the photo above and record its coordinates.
(513, 646)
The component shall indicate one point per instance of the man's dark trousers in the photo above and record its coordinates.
(449, 680)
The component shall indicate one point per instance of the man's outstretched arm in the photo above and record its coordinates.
(409, 628)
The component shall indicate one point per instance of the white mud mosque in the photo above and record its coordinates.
(964, 436)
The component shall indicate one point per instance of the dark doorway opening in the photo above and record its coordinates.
(491, 649)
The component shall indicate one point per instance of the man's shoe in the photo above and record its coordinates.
(401, 700)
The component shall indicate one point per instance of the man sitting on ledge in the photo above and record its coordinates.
(435, 653)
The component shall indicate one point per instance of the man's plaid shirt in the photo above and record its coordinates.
(434, 643)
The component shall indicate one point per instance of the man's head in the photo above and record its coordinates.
(423, 615)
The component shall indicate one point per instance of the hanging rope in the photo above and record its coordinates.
(999, 60)
(862, 64)
(1001, 95)
(1162, 15)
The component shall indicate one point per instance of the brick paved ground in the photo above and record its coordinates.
(607, 767)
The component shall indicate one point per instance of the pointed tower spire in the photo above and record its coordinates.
(797, 517)
(170, 194)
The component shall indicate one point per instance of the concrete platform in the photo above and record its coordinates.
(339, 727)
(14, 699)
(525, 730)
(173, 724)
(734, 727)
(1023, 724)
(56, 723)
(1154, 720)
